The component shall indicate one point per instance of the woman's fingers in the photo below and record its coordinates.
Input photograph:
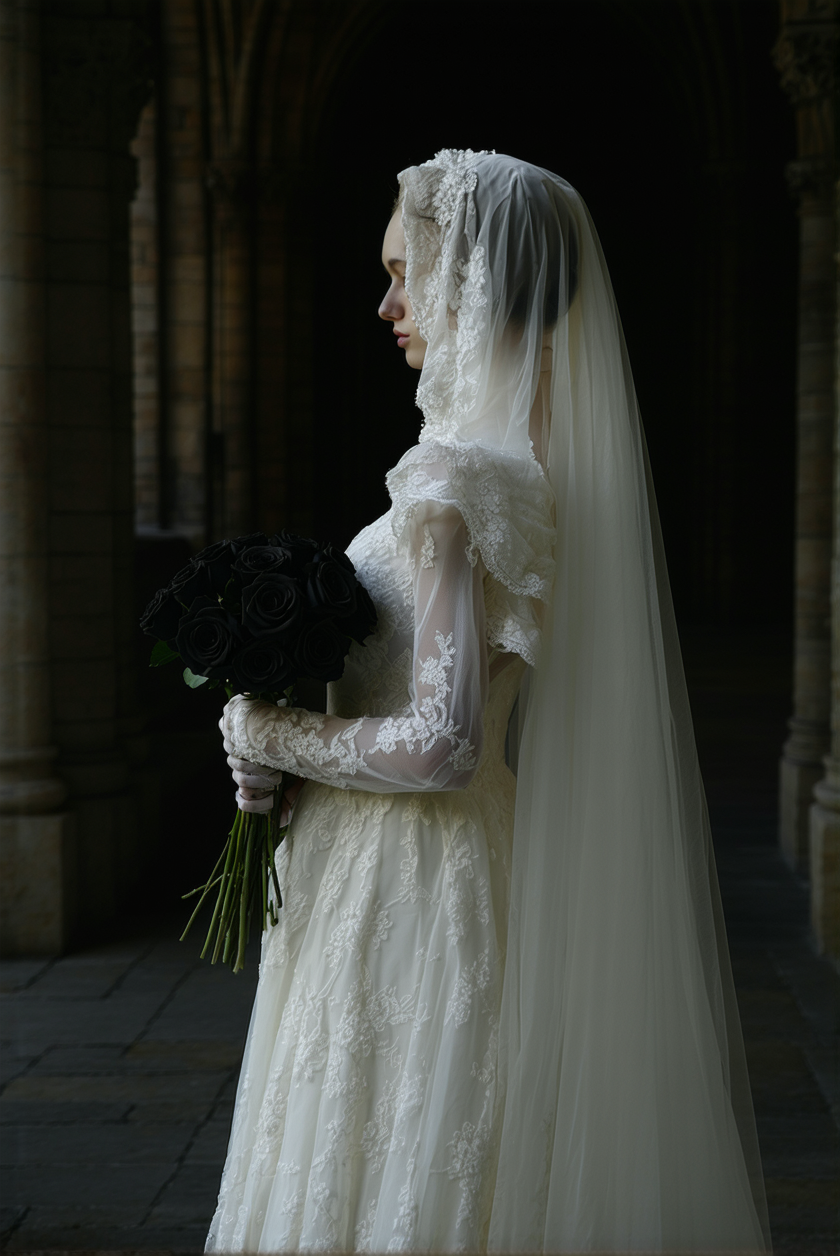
(268, 777)
(255, 801)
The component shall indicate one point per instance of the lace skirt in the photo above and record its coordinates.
(368, 1113)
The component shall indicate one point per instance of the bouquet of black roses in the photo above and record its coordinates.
(256, 615)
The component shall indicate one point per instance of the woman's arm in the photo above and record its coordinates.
(435, 742)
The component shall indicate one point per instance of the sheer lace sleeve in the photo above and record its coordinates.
(435, 741)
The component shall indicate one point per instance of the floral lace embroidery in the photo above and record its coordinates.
(427, 553)
(503, 500)
(469, 1147)
(290, 738)
(391, 935)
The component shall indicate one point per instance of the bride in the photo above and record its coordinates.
(497, 1011)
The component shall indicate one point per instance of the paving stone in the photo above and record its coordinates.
(173, 1057)
(223, 1112)
(95, 1240)
(17, 974)
(81, 1061)
(95, 1144)
(824, 1062)
(814, 984)
(763, 1010)
(133, 1186)
(795, 1192)
(9, 1217)
(12, 1065)
(210, 997)
(790, 1160)
(78, 978)
(169, 1113)
(41, 1023)
(209, 1145)
(138, 1088)
(31, 1113)
(146, 976)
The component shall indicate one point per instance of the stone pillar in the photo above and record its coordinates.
(232, 187)
(825, 811)
(36, 849)
(73, 79)
(235, 61)
(805, 56)
(97, 63)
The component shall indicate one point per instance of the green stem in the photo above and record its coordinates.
(228, 889)
(245, 895)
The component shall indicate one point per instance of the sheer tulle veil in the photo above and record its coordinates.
(627, 1118)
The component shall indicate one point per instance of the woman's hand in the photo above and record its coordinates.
(234, 721)
(255, 787)
(255, 784)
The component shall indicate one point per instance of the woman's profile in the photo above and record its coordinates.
(497, 1012)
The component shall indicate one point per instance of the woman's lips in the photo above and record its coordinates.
(402, 341)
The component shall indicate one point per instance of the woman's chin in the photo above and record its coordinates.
(415, 358)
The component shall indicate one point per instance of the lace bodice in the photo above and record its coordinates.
(408, 713)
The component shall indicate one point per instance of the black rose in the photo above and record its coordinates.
(301, 549)
(331, 589)
(272, 604)
(363, 620)
(320, 651)
(189, 583)
(162, 616)
(264, 666)
(217, 560)
(208, 639)
(250, 562)
(240, 543)
(334, 554)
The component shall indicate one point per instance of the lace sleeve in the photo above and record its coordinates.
(435, 742)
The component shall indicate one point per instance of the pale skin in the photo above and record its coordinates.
(396, 309)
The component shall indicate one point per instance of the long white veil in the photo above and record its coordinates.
(628, 1121)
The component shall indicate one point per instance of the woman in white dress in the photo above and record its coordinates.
(497, 1012)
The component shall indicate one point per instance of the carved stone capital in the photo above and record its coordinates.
(805, 55)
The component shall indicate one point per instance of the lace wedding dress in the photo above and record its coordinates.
(368, 1114)
(492, 1017)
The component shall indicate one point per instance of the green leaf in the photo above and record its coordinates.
(192, 680)
(162, 654)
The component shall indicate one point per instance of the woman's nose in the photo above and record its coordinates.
(390, 309)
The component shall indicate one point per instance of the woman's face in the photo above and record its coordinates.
(395, 307)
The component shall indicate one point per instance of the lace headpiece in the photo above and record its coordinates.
(488, 249)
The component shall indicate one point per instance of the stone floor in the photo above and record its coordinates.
(120, 1061)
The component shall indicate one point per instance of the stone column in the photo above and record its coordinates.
(231, 184)
(36, 844)
(825, 811)
(235, 61)
(805, 56)
(97, 66)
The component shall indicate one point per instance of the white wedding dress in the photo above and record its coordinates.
(492, 1017)
(368, 1116)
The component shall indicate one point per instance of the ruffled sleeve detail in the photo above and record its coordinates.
(508, 507)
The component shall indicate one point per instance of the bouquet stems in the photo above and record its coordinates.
(247, 884)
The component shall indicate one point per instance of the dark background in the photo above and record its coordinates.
(669, 119)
